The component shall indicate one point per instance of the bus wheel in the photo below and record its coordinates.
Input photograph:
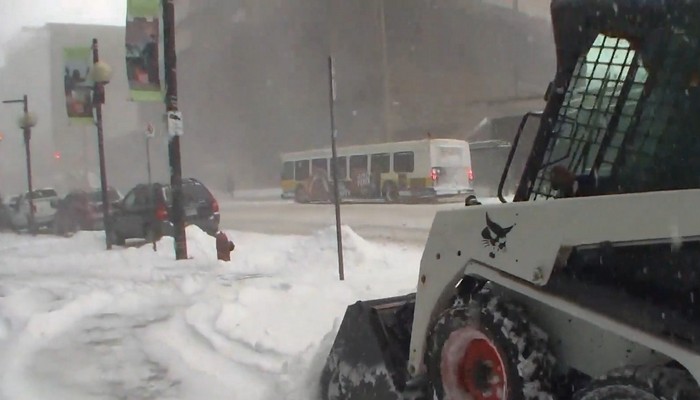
(390, 192)
(300, 195)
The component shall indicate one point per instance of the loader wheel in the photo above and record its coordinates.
(642, 383)
(330, 384)
(488, 350)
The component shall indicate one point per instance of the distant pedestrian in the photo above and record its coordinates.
(230, 185)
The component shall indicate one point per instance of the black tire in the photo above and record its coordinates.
(153, 234)
(329, 386)
(115, 238)
(64, 228)
(300, 195)
(642, 383)
(390, 192)
(509, 353)
(321, 190)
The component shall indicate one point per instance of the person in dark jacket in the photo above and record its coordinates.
(567, 184)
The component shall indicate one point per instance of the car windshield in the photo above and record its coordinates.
(43, 193)
(193, 192)
(96, 196)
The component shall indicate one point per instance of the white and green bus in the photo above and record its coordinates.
(390, 172)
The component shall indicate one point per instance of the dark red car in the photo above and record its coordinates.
(81, 210)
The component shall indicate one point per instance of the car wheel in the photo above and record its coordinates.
(115, 238)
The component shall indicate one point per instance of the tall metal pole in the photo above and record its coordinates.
(27, 131)
(98, 100)
(386, 74)
(148, 159)
(148, 166)
(170, 62)
(334, 170)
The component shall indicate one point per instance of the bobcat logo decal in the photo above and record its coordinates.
(495, 236)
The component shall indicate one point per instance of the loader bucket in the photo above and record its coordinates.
(369, 357)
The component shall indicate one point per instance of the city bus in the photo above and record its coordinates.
(386, 172)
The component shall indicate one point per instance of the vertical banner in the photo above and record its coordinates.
(77, 62)
(143, 50)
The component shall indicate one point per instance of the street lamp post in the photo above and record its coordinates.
(27, 121)
(101, 74)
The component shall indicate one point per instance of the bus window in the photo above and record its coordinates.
(403, 162)
(301, 170)
(381, 163)
(288, 170)
(358, 163)
(342, 168)
(320, 163)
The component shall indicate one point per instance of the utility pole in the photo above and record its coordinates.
(334, 170)
(386, 76)
(150, 133)
(26, 123)
(98, 100)
(174, 118)
(334, 135)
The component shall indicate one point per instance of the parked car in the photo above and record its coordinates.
(5, 216)
(82, 210)
(43, 211)
(145, 211)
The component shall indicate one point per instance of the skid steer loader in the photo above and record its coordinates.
(585, 285)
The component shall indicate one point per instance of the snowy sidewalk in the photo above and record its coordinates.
(78, 322)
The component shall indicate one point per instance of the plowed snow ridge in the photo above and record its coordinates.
(78, 322)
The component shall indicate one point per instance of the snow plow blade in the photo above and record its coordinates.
(369, 357)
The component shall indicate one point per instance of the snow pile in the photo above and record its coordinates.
(78, 322)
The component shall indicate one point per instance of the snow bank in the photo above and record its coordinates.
(79, 322)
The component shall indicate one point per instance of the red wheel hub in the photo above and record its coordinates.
(481, 371)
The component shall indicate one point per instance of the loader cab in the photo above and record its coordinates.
(621, 112)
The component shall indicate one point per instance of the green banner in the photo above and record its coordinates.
(143, 50)
(77, 62)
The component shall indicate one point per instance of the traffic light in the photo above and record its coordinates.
(57, 155)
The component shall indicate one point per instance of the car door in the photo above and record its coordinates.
(133, 213)
(20, 212)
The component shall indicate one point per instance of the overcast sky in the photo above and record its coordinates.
(14, 14)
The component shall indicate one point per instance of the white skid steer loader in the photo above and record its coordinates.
(585, 286)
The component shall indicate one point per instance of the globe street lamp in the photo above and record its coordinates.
(101, 74)
(26, 122)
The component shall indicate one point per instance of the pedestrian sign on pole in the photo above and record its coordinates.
(174, 123)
